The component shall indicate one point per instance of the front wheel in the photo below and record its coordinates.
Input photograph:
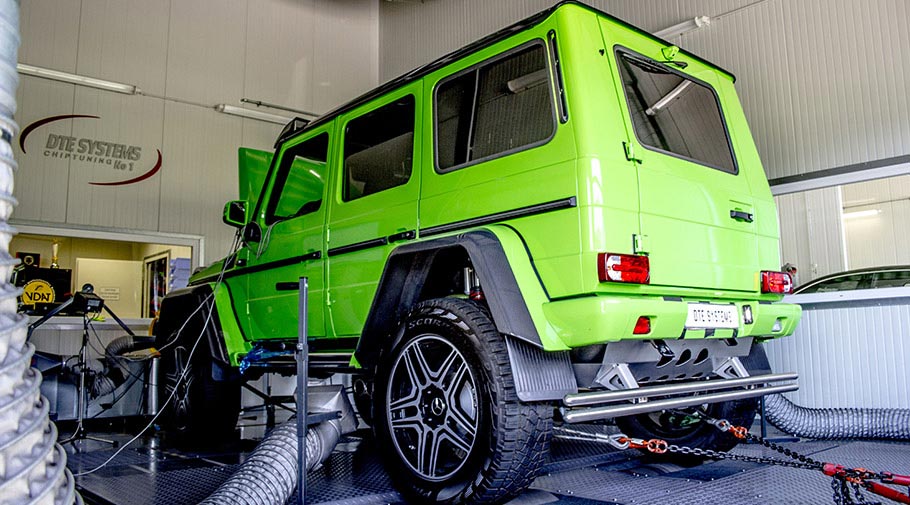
(201, 411)
(448, 413)
(687, 428)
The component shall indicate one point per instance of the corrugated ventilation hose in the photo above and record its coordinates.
(32, 464)
(837, 423)
(269, 474)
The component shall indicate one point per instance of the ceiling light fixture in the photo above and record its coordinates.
(252, 114)
(686, 26)
(81, 80)
(862, 213)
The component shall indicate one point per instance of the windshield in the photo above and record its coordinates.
(674, 113)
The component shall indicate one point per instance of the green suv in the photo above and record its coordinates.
(564, 221)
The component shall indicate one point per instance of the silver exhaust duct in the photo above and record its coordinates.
(268, 476)
(32, 464)
(837, 423)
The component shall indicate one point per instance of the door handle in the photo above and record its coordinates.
(742, 216)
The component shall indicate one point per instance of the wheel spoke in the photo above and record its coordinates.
(409, 401)
(460, 420)
(463, 442)
(439, 376)
(414, 422)
(429, 453)
(416, 367)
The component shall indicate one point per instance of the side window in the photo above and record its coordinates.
(378, 149)
(496, 108)
(301, 180)
(893, 279)
(674, 113)
(843, 283)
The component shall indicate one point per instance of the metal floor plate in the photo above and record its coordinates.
(578, 473)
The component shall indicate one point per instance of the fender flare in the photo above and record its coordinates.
(179, 305)
(539, 374)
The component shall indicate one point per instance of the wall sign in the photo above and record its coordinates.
(123, 159)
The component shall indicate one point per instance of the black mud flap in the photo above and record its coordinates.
(540, 375)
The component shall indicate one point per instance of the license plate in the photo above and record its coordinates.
(711, 316)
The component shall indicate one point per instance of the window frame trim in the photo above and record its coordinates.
(374, 106)
(537, 41)
(618, 50)
(275, 192)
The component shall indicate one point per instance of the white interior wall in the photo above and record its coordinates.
(186, 57)
(823, 82)
(812, 234)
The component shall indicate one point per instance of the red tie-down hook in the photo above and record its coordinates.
(866, 479)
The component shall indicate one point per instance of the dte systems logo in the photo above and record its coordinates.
(120, 157)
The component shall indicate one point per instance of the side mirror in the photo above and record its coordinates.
(235, 213)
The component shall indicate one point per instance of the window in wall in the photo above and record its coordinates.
(379, 149)
(301, 179)
(494, 109)
(674, 113)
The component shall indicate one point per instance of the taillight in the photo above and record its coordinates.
(642, 326)
(623, 268)
(776, 282)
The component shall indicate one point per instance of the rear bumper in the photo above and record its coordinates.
(600, 319)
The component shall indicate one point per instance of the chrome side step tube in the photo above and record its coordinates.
(713, 389)
(580, 399)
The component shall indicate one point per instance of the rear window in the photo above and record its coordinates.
(496, 108)
(674, 113)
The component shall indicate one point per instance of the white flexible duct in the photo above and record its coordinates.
(32, 464)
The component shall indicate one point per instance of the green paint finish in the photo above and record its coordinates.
(233, 336)
(486, 133)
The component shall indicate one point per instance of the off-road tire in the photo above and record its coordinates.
(699, 434)
(512, 438)
(703, 435)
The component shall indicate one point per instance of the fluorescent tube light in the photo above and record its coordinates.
(862, 213)
(252, 114)
(81, 80)
(684, 27)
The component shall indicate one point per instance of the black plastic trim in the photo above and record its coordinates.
(555, 63)
(403, 278)
(358, 246)
(405, 235)
(315, 255)
(565, 203)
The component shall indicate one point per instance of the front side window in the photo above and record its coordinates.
(300, 180)
(674, 113)
(379, 149)
(496, 108)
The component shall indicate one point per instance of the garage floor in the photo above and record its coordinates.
(578, 473)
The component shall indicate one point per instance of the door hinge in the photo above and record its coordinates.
(630, 152)
(640, 244)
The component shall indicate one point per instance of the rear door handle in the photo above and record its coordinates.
(742, 216)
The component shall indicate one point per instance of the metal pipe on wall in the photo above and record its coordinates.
(32, 464)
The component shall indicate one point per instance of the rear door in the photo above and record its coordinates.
(697, 211)
(373, 201)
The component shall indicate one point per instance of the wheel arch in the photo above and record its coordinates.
(406, 281)
(178, 307)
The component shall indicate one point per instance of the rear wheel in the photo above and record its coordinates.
(448, 413)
